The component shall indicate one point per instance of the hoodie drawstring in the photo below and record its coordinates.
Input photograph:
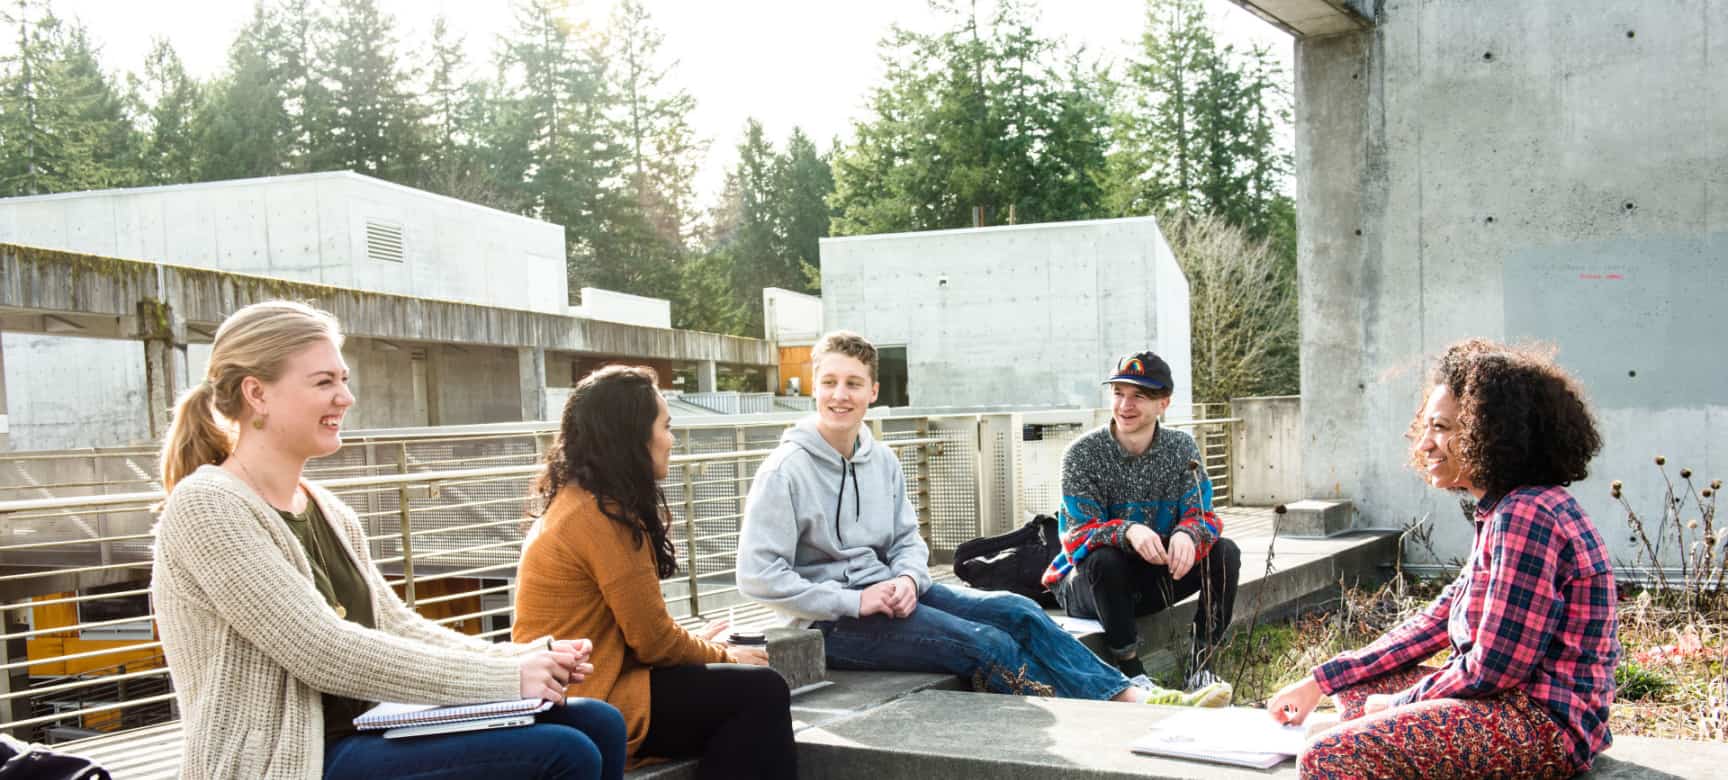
(840, 500)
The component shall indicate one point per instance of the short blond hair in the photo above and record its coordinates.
(845, 342)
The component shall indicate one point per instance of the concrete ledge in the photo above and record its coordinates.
(970, 736)
(1306, 571)
(1309, 518)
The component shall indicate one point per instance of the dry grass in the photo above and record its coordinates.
(1682, 697)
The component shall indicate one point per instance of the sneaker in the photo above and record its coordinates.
(1215, 695)
(1201, 679)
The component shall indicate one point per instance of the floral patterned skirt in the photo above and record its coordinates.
(1505, 735)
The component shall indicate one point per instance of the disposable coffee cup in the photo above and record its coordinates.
(748, 639)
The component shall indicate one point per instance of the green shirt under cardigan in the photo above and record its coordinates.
(344, 588)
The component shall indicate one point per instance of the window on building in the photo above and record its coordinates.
(891, 373)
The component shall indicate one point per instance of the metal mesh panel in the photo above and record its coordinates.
(951, 483)
(1041, 448)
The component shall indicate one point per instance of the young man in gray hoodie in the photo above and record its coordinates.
(830, 540)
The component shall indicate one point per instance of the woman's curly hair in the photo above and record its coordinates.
(1523, 420)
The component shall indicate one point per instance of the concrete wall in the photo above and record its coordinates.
(1029, 314)
(1268, 447)
(474, 385)
(310, 228)
(790, 318)
(612, 306)
(66, 392)
(1550, 170)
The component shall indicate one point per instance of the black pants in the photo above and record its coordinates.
(736, 719)
(1115, 586)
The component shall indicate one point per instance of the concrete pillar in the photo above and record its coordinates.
(707, 376)
(164, 336)
(771, 377)
(531, 378)
(4, 445)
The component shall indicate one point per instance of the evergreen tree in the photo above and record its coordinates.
(986, 115)
(550, 141)
(64, 124)
(771, 215)
(369, 121)
(453, 114)
(1196, 131)
(654, 120)
(27, 147)
(246, 128)
(170, 103)
(804, 178)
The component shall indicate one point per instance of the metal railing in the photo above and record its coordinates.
(444, 516)
(448, 540)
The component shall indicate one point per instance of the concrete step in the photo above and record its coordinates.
(969, 736)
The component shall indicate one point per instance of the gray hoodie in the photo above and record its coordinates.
(818, 528)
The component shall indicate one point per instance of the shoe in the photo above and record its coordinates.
(1214, 695)
(1201, 679)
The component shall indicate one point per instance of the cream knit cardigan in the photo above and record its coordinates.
(251, 644)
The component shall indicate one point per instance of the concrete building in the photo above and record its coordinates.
(1031, 315)
(1547, 170)
(339, 229)
(793, 321)
(455, 313)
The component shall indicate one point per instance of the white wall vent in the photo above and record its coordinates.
(384, 241)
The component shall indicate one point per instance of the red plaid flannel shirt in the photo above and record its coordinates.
(1533, 610)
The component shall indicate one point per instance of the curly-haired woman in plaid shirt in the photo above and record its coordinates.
(1530, 621)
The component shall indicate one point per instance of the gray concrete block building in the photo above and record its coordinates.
(456, 313)
(1548, 170)
(1022, 315)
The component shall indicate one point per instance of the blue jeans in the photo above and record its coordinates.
(582, 740)
(1001, 641)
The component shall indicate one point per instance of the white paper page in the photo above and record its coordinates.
(1236, 729)
(1078, 626)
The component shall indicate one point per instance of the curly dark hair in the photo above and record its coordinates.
(1523, 419)
(602, 445)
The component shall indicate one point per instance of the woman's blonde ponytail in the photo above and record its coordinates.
(195, 437)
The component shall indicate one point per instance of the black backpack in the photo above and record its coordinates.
(1014, 561)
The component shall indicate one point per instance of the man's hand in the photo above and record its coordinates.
(877, 599)
(1146, 543)
(1180, 554)
(904, 597)
(1376, 702)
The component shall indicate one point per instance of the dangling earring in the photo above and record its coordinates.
(258, 422)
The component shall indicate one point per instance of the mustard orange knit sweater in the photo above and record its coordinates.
(582, 575)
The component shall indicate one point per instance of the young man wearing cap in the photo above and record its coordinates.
(1138, 531)
(830, 541)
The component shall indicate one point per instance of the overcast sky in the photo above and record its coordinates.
(809, 63)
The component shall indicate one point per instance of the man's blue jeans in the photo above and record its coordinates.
(1002, 642)
(582, 740)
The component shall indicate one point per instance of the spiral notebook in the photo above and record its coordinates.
(1234, 735)
(391, 716)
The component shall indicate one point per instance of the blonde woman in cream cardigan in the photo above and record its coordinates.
(277, 627)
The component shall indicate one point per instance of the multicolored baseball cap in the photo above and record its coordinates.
(1145, 369)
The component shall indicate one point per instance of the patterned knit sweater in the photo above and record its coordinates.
(251, 644)
(1105, 490)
